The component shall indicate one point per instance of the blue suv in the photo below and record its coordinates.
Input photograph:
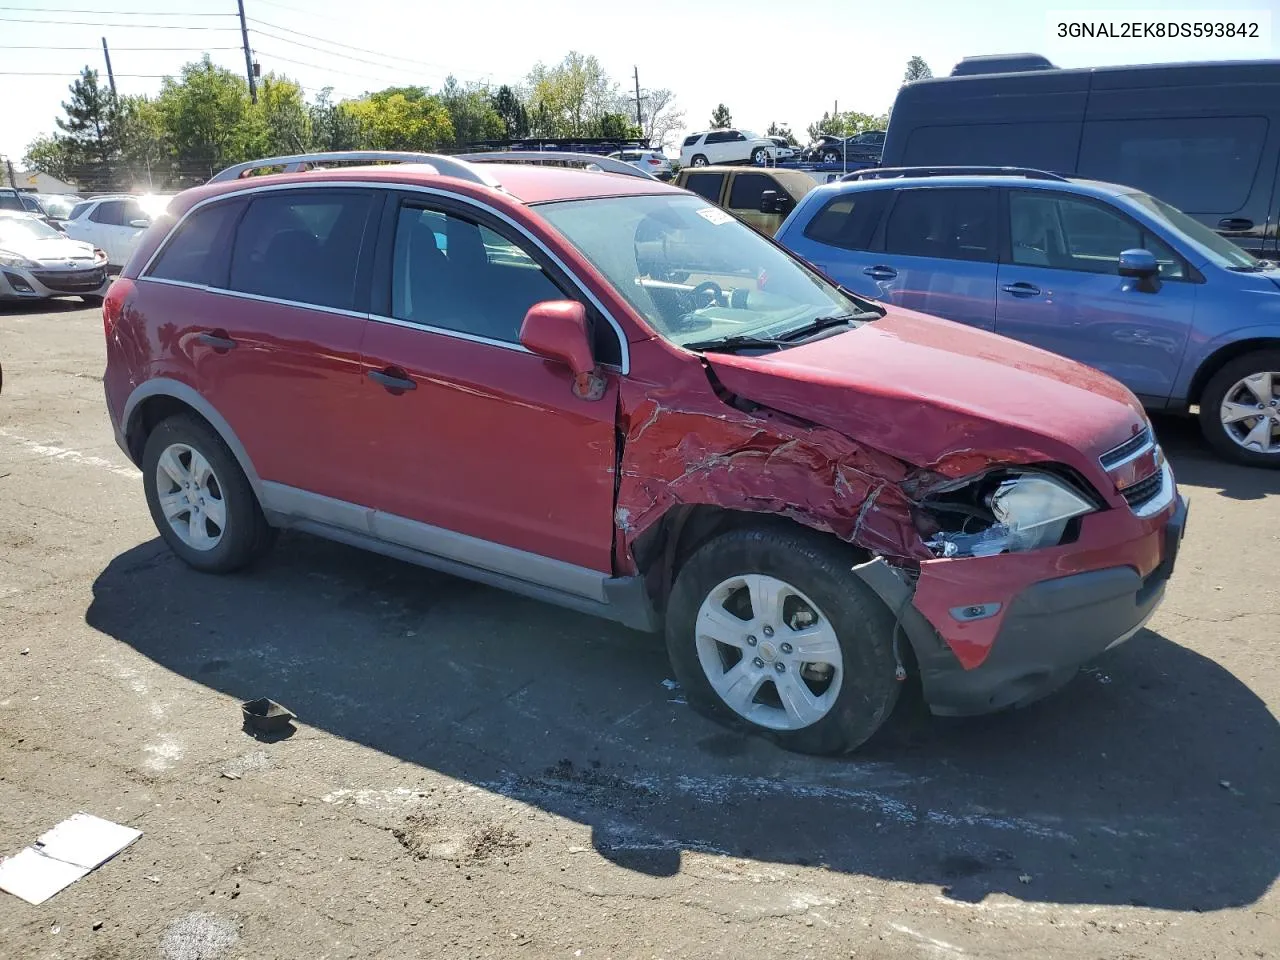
(1104, 274)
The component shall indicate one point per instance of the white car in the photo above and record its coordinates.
(785, 150)
(652, 162)
(115, 223)
(38, 262)
(726, 146)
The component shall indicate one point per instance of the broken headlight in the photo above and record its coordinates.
(1001, 512)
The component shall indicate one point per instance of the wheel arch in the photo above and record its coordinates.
(157, 400)
(1221, 357)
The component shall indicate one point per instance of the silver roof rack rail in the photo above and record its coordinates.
(445, 166)
(558, 158)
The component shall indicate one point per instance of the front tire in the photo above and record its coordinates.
(768, 630)
(200, 499)
(1240, 410)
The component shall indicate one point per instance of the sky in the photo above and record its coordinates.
(769, 62)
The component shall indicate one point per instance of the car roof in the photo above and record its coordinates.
(1095, 188)
(522, 183)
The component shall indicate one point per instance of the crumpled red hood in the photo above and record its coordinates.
(942, 395)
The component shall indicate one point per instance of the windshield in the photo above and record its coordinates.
(1220, 250)
(58, 207)
(18, 230)
(694, 272)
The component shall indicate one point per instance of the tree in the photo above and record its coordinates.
(471, 112)
(846, 124)
(50, 155)
(661, 117)
(571, 98)
(89, 132)
(783, 131)
(917, 69)
(209, 119)
(285, 120)
(721, 118)
(512, 112)
(145, 153)
(332, 126)
(401, 119)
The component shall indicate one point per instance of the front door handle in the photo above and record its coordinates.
(217, 339)
(1021, 289)
(394, 379)
(1235, 224)
(880, 272)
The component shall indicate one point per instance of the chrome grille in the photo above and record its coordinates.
(1131, 447)
(1144, 491)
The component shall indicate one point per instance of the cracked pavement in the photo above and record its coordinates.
(479, 775)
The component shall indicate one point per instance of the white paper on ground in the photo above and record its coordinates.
(35, 878)
(86, 841)
(62, 856)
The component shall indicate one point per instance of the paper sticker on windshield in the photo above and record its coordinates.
(714, 215)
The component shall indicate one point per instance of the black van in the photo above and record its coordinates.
(1204, 137)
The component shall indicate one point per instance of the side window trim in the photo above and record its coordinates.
(1189, 273)
(380, 306)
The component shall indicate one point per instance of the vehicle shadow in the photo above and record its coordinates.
(1196, 464)
(55, 305)
(1149, 780)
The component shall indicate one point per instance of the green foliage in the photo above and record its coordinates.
(49, 155)
(209, 120)
(721, 118)
(511, 112)
(917, 69)
(471, 112)
(573, 99)
(401, 121)
(846, 123)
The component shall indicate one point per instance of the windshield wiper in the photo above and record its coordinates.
(739, 341)
(824, 323)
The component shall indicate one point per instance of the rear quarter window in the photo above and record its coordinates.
(198, 249)
(849, 220)
(705, 185)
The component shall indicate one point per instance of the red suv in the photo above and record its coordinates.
(604, 392)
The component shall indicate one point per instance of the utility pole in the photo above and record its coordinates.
(639, 117)
(248, 58)
(110, 74)
(13, 180)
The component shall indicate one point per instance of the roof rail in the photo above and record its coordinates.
(559, 158)
(445, 166)
(886, 173)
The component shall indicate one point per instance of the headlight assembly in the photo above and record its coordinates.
(1006, 511)
(8, 259)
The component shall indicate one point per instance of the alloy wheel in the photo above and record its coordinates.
(1250, 412)
(190, 496)
(769, 652)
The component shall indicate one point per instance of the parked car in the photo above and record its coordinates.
(726, 146)
(868, 145)
(57, 206)
(785, 150)
(115, 223)
(34, 204)
(37, 262)
(1104, 274)
(11, 199)
(1203, 137)
(760, 197)
(653, 162)
(833, 149)
(655, 415)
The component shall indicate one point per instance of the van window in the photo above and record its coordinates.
(1047, 145)
(705, 185)
(301, 246)
(850, 220)
(1198, 164)
(748, 189)
(690, 141)
(947, 224)
(1063, 232)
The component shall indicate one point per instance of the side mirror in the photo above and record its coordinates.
(769, 201)
(139, 223)
(557, 330)
(1141, 265)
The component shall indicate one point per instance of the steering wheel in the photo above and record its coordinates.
(705, 294)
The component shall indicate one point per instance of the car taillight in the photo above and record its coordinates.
(113, 304)
(655, 161)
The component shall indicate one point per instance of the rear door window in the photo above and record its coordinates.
(946, 224)
(850, 220)
(302, 246)
(1199, 164)
(110, 213)
(748, 188)
(198, 252)
(706, 185)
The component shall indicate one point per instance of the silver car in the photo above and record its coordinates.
(36, 262)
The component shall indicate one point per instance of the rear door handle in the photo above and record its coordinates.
(394, 379)
(217, 339)
(880, 273)
(1021, 289)
(1235, 223)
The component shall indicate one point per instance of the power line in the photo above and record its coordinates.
(347, 46)
(6, 46)
(76, 73)
(117, 26)
(118, 13)
(345, 56)
(316, 66)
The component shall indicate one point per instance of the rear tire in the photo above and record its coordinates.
(229, 530)
(758, 156)
(1228, 386)
(823, 613)
(698, 161)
